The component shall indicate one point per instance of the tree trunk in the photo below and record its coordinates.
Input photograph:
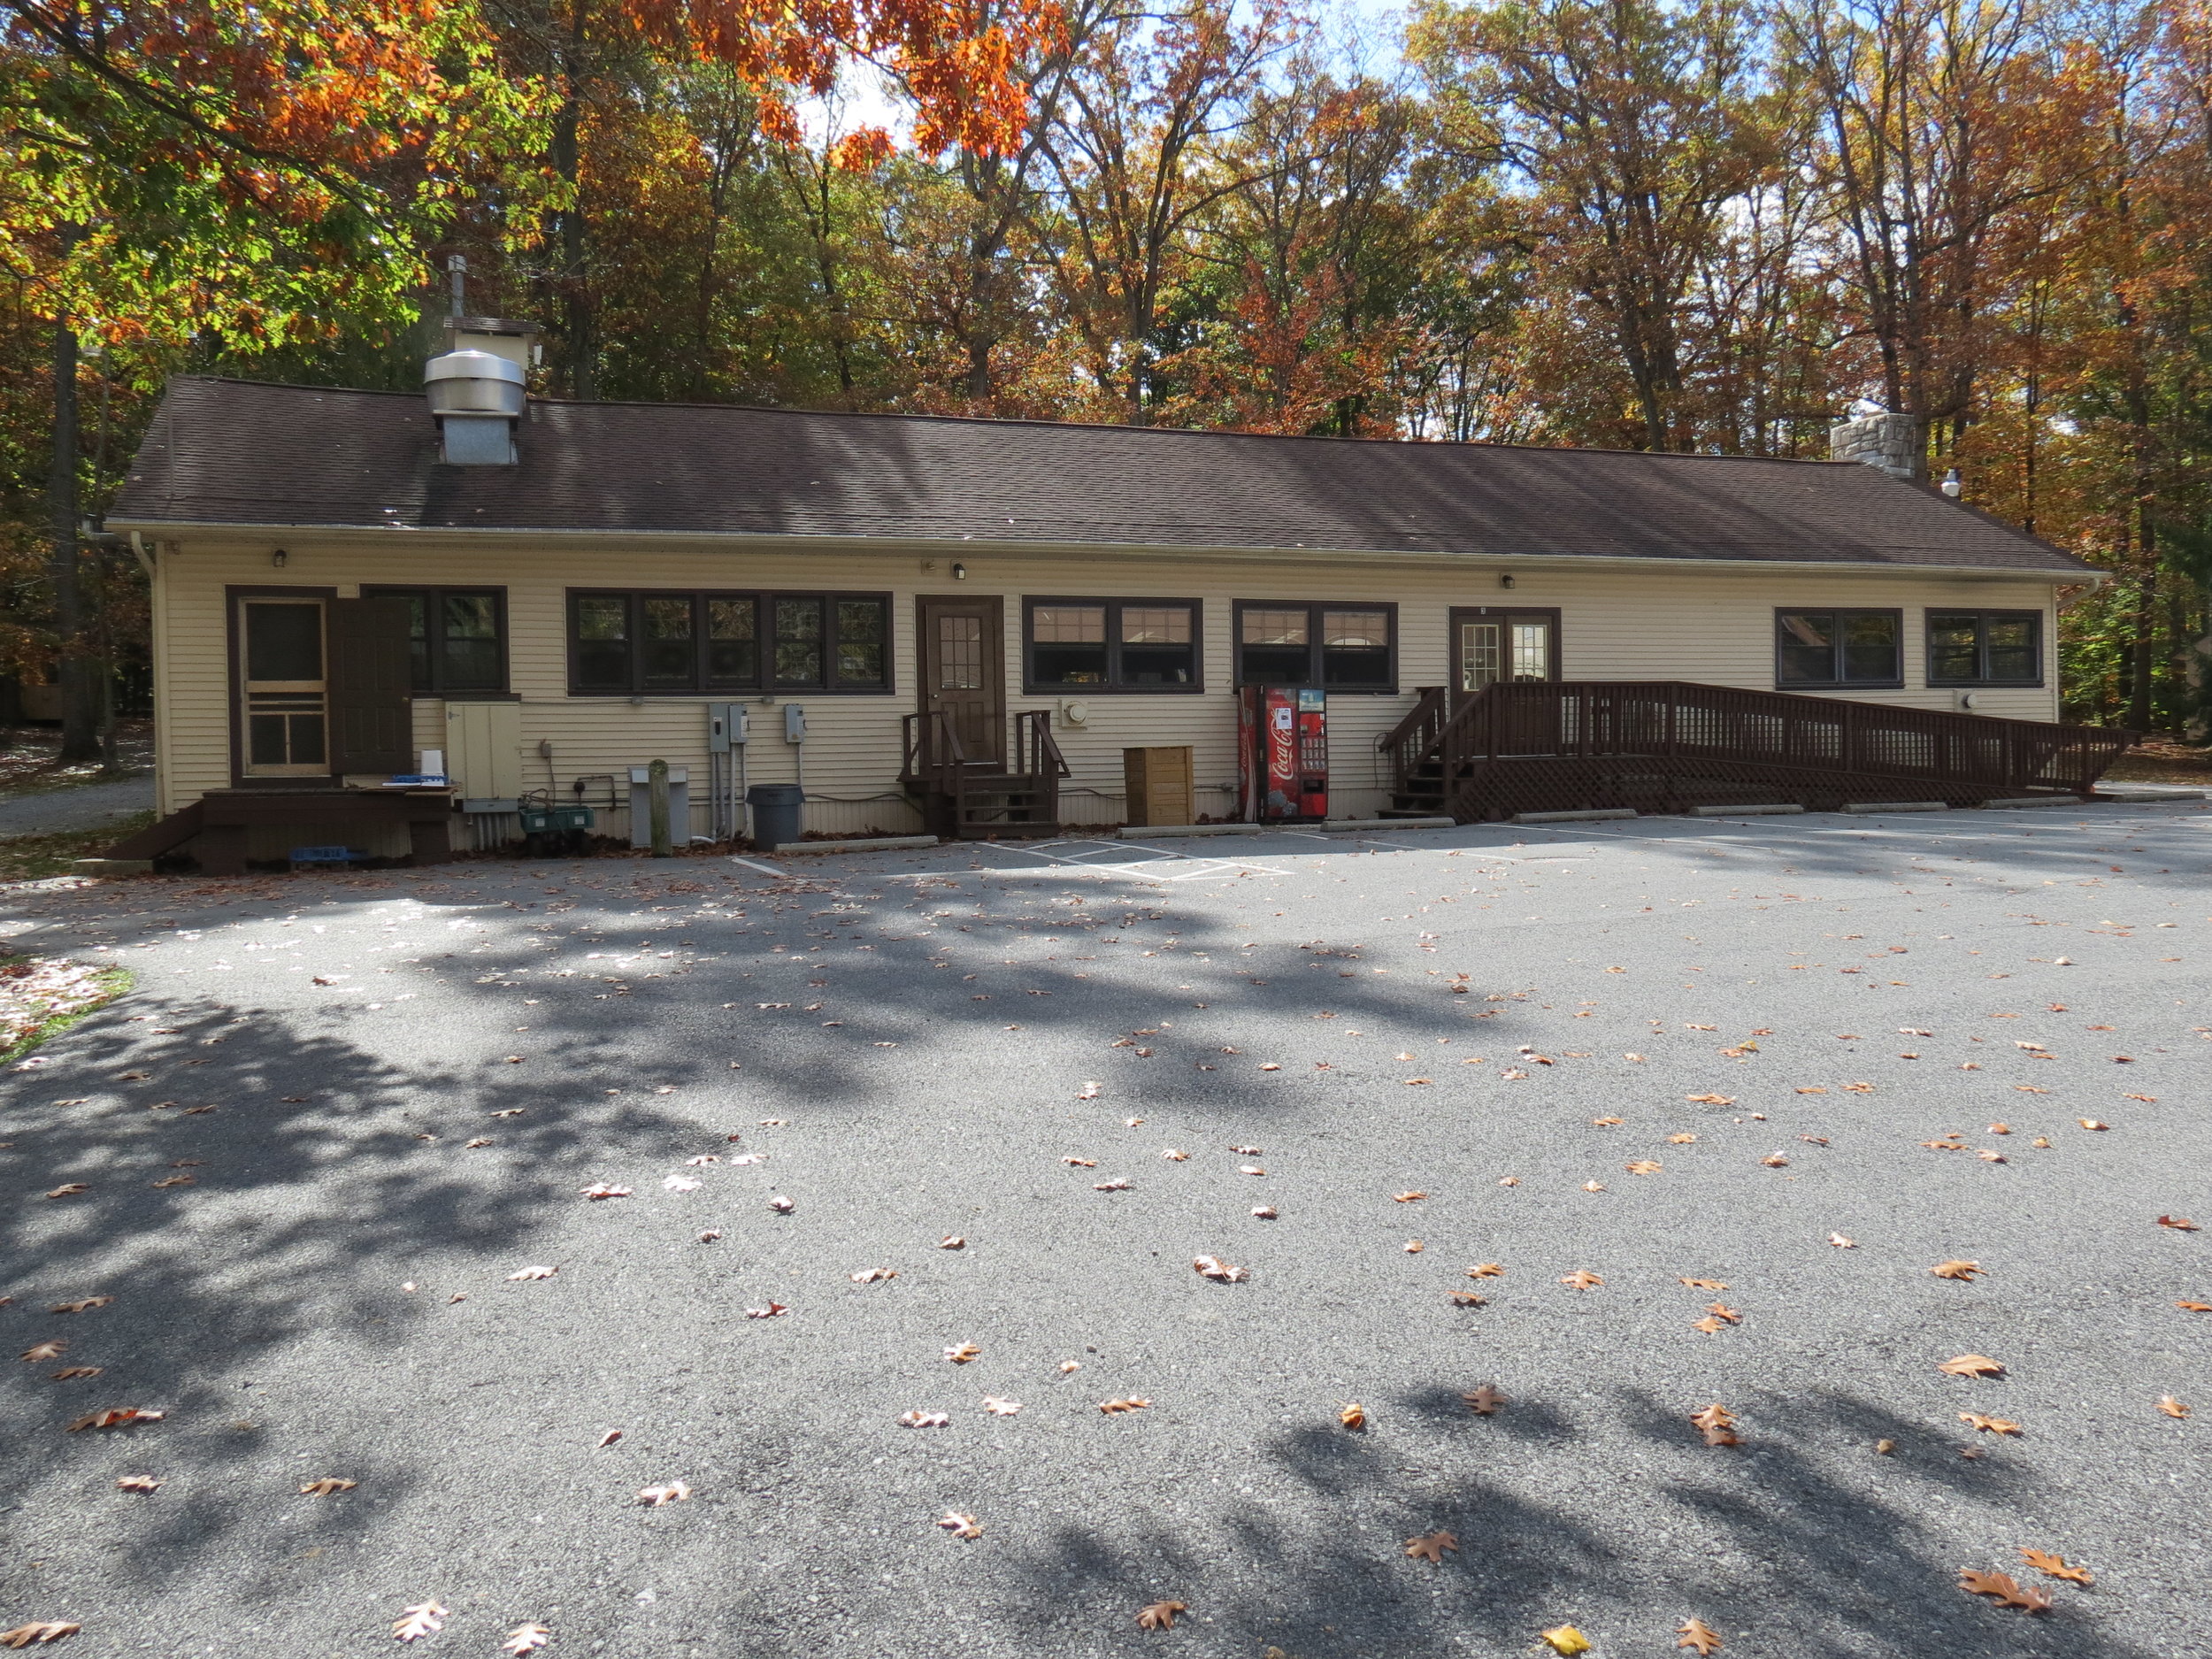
(79, 676)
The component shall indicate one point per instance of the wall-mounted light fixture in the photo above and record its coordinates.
(1953, 485)
(960, 573)
(1505, 582)
(278, 558)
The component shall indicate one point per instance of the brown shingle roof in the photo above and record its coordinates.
(243, 452)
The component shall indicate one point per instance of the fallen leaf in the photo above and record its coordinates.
(1971, 1366)
(710, 1235)
(872, 1275)
(1408, 1197)
(526, 1638)
(1353, 1416)
(1721, 1311)
(83, 1305)
(604, 1191)
(1581, 1278)
(1712, 1100)
(1467, 1299)
(1702, 1284)
(115, 1418)
(1118, 1184)
(1988, 1425)
(2006, 1594)
(606, 1439)
(1566, 1639)
(1775, 1160)
(1485, 1401)
(1431, 1547)
(1487, 1270)
(654, 1497)
(926, 1420)
(2195, 1307)
(1696, 1634)
(769, 1312)
(952, 1241)
(1264, 1212)
(1159, 1615)
(781, 1205)
(24, 1635)
(2055, 1566)
(2173, 1406)
(44, 1351)
(1644, 1166)
(70, 1190)
(999, 1408)
(73, 1372)
(419, 1621)
(1115, 1408)
(327, 1485)
(1247, 1152)
(1220, 1272)
(682, 1183)
(961, 1525)
(140, 1483)
(1842, 1242)
(2091, 1123)
(1594, 1187)
(1081, 1163)
(1176, 1155)
(1414, 1247)
(2180, 1223)
(962, 1352)
(1709, 1325)
(1717, 1423)
(533, 1273)
(1956, 1269)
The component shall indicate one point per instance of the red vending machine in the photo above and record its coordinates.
(1283, 753)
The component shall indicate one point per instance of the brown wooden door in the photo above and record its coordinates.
(962, 645)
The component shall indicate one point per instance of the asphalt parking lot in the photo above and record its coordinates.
(325, 1140)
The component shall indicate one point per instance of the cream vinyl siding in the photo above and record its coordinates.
(1715, 627)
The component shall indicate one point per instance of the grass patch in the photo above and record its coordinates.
(41, 996)
(31, 857)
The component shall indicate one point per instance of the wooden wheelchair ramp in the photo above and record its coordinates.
(1665, 745)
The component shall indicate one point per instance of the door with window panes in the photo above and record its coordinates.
(963, 651)
(1489, 644)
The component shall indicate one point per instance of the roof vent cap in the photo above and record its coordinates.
(477, 397)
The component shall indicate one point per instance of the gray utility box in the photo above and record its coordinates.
(642, 806)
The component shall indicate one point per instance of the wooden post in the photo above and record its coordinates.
(656, 791)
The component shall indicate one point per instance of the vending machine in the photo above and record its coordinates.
(1283, 753)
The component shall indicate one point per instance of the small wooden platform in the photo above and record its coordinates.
(218, 822)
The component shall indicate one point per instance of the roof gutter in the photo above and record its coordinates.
(2086, 577)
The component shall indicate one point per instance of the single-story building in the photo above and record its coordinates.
(540, 596)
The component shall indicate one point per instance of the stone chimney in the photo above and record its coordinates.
(1890, 443)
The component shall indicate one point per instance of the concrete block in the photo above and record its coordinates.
(868, 844)
(112, 867)
(1587, 815)
(2032, 800)
(1865, 808)
(1134, 832)
(1353, 826)
(1769, 811)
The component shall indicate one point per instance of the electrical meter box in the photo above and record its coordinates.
(725, 727)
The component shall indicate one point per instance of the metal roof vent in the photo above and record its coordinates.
(477, 397)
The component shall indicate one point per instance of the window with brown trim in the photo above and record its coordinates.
(457, 637)
(633, 642)
(1111, 645)
(1337, 646)
(1984, 648)
(1838, 647)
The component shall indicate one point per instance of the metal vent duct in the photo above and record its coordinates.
(477, 398)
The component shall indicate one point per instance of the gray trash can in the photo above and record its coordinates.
(777, 808)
